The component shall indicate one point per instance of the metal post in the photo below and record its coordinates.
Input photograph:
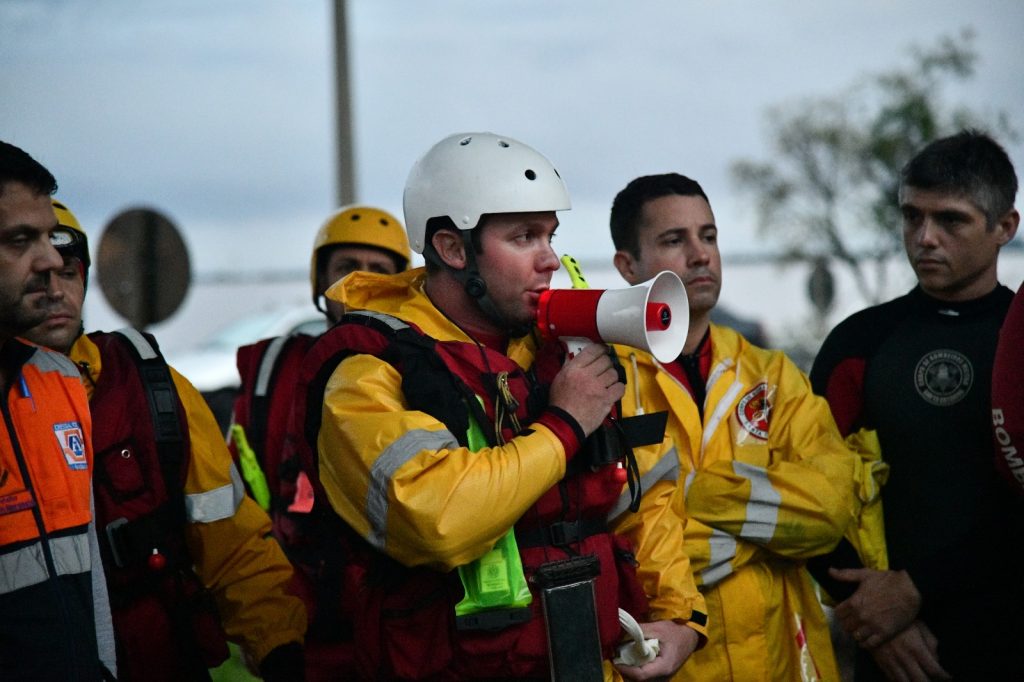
(345, 166)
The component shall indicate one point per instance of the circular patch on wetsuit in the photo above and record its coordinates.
(943, 377)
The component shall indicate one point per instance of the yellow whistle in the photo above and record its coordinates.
(575, 273)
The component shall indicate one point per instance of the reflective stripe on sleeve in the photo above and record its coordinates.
(763, 505)
(722, 548)
(394, 456)
(26, 566)
(665, 469)
(217, 504)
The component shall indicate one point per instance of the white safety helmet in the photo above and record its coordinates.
(467, 175)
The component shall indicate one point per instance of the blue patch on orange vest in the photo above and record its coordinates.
(72, 443)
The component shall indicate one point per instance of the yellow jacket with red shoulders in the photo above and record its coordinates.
(401, 480)
(769, 484)
(227, 534)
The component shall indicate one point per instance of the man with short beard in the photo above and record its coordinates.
(56, 621)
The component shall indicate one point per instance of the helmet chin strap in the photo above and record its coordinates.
(476, 288)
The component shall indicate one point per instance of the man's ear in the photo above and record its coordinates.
(1007, 226)
(626, 266)
(450, 248)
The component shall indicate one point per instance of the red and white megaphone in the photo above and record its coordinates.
(653, 316)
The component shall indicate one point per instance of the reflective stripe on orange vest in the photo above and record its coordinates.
(26, 566)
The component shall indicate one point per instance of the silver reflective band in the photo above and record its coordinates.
(26, 566)
(142, 346)
(394, 456)
(267, 365)
(665, 469)
(721, 410)
(722, 548)
(217, 504)
(763, 505)
(50, 361)
(390, 321)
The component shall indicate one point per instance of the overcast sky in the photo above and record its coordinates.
(220, 114)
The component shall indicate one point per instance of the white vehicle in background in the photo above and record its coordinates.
(210, 365)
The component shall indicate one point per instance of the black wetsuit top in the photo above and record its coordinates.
(919, 371)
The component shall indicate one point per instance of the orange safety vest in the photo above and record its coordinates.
(45, 468)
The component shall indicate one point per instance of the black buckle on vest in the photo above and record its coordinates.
(564, 533)
(496, 619)
(560, 533)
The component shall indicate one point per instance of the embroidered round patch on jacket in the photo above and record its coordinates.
(943, 377)
(753, 411)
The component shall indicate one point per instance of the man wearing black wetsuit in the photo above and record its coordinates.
(918, 370)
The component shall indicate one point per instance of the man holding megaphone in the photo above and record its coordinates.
(769, 481)
(451, 442)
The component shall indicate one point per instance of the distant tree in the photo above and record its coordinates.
(829, 192)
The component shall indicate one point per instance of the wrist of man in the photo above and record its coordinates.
(565, 427)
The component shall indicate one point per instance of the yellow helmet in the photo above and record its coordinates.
(70, 239)
(360, 226)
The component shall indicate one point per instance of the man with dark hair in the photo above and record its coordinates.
(917, 371)
(55, 622)
(769, 480)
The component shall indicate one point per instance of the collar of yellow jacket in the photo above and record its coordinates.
(85, 352)
(403, 296)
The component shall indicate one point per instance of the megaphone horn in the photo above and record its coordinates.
(653, 316)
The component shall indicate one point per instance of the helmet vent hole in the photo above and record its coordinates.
(530, 175)
(384, 222)
(466, 140)
(355, 217)
(502, 143)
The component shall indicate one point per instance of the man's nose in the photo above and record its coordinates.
(699, 254)
(48, 259)
(548, 260)
(928, 235)
(53, 290)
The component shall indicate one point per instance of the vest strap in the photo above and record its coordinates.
(561, 533)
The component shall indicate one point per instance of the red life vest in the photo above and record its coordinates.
(270, 374)
(405, 625)
(165, 621)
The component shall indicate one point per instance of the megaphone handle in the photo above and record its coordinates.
(574, 344)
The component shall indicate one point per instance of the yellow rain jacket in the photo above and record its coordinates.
(769, 483)
(228, 535)
(402, 482)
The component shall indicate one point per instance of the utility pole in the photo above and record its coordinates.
(345, 164)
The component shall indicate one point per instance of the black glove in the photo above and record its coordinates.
(286, 663)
